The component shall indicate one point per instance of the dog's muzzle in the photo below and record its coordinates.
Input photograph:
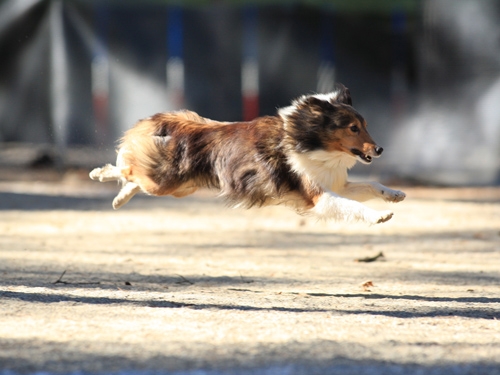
(365, 158)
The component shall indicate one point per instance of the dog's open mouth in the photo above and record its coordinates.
(365, 158)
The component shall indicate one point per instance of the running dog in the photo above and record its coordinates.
(299, 158)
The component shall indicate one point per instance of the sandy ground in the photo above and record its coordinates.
(192, 287)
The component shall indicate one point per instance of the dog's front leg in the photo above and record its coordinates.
(363, 191)
(332, 206)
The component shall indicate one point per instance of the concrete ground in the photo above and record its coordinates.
(168, 286)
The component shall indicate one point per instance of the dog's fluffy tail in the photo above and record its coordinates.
(137, 151)
(139, 154)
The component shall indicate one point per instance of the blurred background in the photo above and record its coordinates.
(75, 74)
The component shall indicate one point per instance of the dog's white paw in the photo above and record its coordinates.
(393, 196)
(377, 217)
(95, 174)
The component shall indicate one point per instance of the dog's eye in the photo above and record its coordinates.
(354, 129)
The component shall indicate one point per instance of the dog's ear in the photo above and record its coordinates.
(343, 94)
(317, 106)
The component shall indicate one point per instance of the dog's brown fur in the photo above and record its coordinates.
(299, 157)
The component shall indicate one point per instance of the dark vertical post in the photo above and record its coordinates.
(59, 85)
(399, 89)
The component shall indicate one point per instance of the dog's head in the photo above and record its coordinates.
(328, 122)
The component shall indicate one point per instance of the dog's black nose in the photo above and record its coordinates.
(379, 150)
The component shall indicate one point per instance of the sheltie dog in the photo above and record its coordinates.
(299, 158)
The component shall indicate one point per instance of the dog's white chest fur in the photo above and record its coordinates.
(327, 169)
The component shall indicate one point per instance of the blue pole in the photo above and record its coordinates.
(326, 71)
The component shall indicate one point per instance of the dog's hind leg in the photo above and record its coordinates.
(126, 193)
(107, 173)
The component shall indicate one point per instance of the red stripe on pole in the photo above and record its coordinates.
(250, 65)
(250, 107)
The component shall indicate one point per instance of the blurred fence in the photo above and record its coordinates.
(425, 74)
